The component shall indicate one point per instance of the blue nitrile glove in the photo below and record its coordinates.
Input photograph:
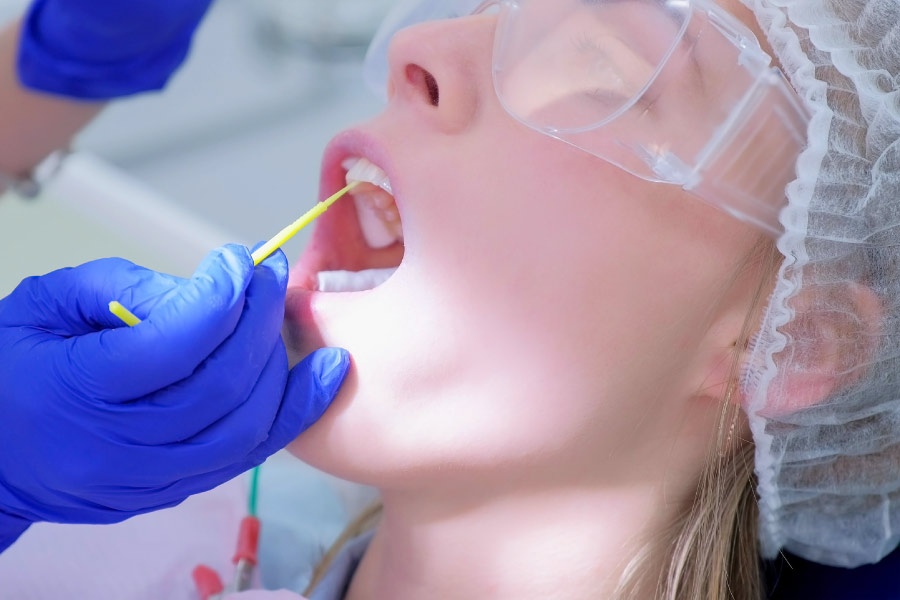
(100, 422)
(100, 49)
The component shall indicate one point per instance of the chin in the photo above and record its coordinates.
(349, 289)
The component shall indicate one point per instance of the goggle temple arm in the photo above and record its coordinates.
(753, 158)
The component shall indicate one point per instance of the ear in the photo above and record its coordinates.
(831, 339)
(718, 352)
(833, 335)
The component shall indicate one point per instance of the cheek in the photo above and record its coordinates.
(562, 252)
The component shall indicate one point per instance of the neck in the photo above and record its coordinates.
(559, 544)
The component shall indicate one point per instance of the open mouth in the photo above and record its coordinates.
(357, 245)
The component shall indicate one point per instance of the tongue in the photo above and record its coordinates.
(352, 281)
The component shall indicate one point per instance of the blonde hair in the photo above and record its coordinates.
(710, 552)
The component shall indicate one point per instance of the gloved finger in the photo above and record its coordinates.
(222, 382)
(95, 513)
(130, 362)
(75, 301)
(312, 387)
(217, 448)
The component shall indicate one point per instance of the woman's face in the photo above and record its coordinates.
(550, 311)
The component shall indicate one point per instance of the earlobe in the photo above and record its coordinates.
(832, 338)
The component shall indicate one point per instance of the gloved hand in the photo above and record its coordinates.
(100, 422)
(100, 49)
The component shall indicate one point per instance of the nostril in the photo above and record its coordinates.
(425, 82)
(434, 92)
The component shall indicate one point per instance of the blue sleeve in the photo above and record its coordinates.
(10, 529)
(790, 577)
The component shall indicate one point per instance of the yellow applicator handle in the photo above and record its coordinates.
(264, 251)
(123, 313)
(291, 230)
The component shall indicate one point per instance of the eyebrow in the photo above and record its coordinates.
(698, 70)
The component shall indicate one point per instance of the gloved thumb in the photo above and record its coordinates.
(312, 387)
(315, 383)
(171, 342)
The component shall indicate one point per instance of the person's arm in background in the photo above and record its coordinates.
(33, 124)
(66, 57)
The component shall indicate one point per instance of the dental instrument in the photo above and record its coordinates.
(264, 251)
(246, 556)
(207, 581)
(123, 313)
(291, 230)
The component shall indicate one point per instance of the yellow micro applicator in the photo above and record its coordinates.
(264, 251)
(291, 230)
(123, 313)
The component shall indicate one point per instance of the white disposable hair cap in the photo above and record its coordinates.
(822, 385)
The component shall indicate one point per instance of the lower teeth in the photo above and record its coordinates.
(352, 281)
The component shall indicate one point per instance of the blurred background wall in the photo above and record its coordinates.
(232, 147)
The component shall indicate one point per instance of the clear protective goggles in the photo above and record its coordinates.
(672, 91)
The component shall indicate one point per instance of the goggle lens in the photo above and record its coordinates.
(570, 64)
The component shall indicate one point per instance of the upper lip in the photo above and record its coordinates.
(354, 143)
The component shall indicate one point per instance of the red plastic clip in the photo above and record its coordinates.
(248, 541)
(208, 582)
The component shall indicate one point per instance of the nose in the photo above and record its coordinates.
(442, 70)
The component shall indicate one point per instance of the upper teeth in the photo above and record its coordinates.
(363, 171)
(375, 206)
